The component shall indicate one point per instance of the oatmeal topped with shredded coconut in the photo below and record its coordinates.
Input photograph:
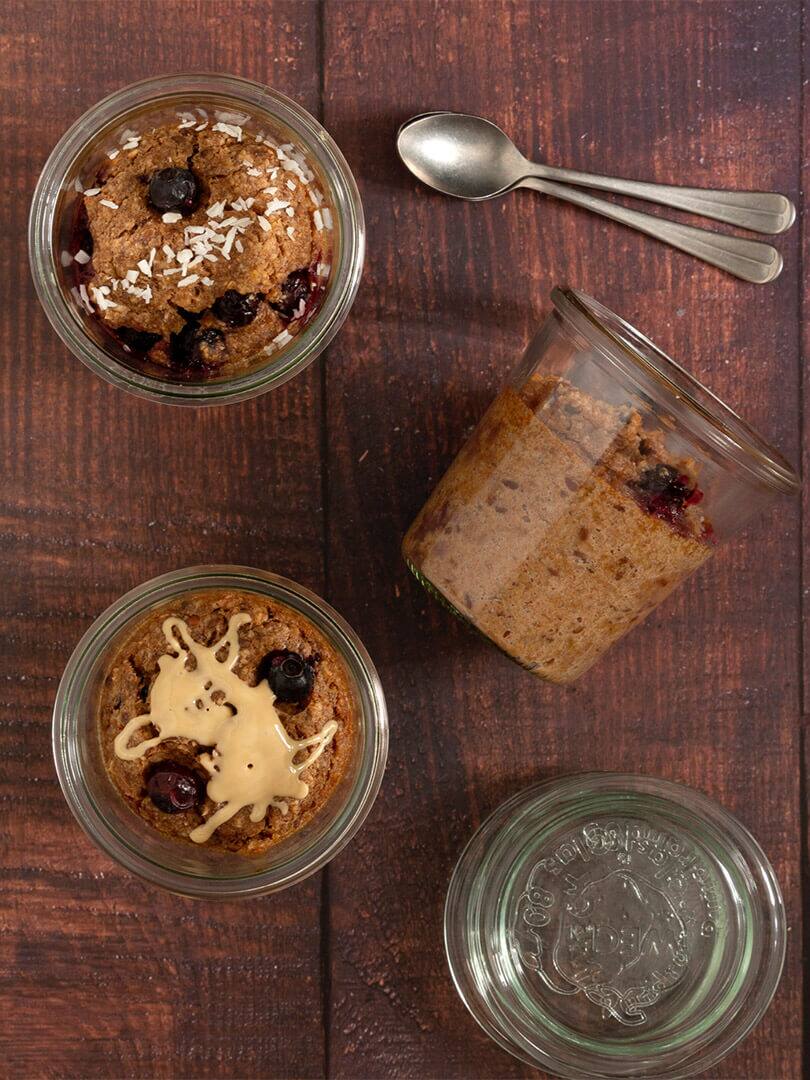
(201, 245)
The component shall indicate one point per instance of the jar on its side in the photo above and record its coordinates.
(197, 870)
(600, 478)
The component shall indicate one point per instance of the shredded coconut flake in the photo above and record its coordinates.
(66, 258)
(318, 219)
(113, 154)
(100, 297)
(188, 281)
(229, 129)
(82, 258)
(264, 224)
(168, 252)
(91, 191)
(207, 281)
(229, 239)
(145, 268)
(171, 217)
(291, 185)
(132, 276)
(282, 338)
(326, 215)
(85, 299)
(239, 246)
(108, 202)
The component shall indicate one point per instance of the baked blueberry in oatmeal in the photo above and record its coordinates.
(201, 246)
(227, 720)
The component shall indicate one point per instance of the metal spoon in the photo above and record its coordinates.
(471, 158)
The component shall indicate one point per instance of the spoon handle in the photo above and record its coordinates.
(746, 259)
(759, 211)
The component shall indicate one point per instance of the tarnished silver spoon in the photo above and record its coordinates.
(471, 158)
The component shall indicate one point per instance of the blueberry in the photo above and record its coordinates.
(137, 341)
(295, 288)
(174, 788)
(665, 492)
(289, 675)
(196, 347)
(658, 479)
(236, 309)
(175, 190)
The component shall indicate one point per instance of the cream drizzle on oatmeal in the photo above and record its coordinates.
(252, 757)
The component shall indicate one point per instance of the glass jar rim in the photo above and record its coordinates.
(705, 413)
(476, 982)
(243, 93)
(134, 604)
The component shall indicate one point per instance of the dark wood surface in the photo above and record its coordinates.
(101, 976)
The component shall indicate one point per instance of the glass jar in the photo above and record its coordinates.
(598, 480)
(73, 164)
(609, 925)
(191, 869)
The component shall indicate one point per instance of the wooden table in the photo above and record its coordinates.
(345, 976)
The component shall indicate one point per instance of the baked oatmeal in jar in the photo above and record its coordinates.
(220, 731)
(226, 720)
(597, 481)
(196, 239)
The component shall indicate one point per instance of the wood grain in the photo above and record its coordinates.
(101, 975)
(345, 976)
(707, 693)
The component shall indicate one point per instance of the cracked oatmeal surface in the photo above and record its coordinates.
(126, 694)
(153, 275)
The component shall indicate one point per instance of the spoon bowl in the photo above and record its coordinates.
(465, 156)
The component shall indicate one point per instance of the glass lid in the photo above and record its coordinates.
(609, 925)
